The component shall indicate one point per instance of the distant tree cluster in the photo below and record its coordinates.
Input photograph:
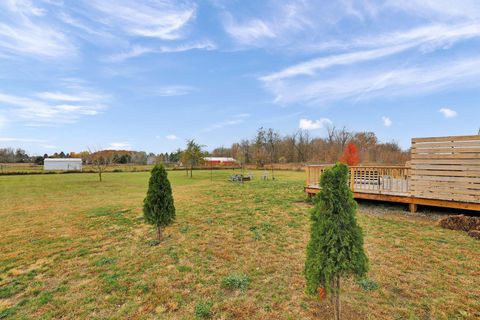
(116, 156)
(172, 157)
(10, 155)
(268, 146)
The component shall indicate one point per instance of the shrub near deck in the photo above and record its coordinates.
(82, 251)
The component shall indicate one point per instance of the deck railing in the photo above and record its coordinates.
(393, 180)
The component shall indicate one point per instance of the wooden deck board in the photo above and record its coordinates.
(406, 199)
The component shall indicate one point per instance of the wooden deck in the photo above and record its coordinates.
(444, 172)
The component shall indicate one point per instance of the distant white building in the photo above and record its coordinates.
(151, 159)
(62, 164)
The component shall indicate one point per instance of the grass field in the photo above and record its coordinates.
(74, 248)
(23, 168)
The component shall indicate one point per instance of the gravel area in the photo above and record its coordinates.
(378, 208)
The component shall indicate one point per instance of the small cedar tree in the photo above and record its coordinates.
(158, 207)
(350, 155)
(335, 249)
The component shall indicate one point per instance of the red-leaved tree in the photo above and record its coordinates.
(350, 155)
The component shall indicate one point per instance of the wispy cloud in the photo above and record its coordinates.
(310, 67)
(81, 26)
(54, 108)
(426, 38)
(446, 9)
(387, 122)
(250, 31)
(376, 82)
(276, 25)
(171, 91)
(39, 41)
(236, 119)
(139, 50)
(78, 96)
(448, 113)
(157, 19)
(119, 145)
(307, 124)
(23, 33)
(171, 137)
(26, 140)
(24, 7)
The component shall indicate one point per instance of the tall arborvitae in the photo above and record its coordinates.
(335, 249)
(158, 207)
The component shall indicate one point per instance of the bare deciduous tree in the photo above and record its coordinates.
(100, 160)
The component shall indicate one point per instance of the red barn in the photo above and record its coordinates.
(219, 161)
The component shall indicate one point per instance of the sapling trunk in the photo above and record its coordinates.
(338, 309)
(159, 233)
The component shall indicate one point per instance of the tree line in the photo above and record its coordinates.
(268, 146)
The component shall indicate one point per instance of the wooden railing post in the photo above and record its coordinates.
(352, 178)
(307, 171)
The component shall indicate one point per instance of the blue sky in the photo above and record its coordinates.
(146, 75)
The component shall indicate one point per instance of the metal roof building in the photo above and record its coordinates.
(66, 164)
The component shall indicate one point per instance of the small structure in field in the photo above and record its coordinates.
(65, 164)
(151, 159)
(220, 161)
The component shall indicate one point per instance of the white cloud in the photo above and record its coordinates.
(250, 31)
(137, 50)
(275, 25)
(54, 108)
(118, 146)
(445, 9)
(78, 96)
(160, 19)
(309, 67)
(26, 140)
(25, 7)
(66, 18)
(171, 91)
(22, 34)
(171, 137)
(236, 119)
(448, 113)
(387, 122)
(307, 124)
(426, 38)
(377, 82)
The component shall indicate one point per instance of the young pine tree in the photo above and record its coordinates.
(335, 249)
(158, 207)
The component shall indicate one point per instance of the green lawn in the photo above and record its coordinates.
(74, 248)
